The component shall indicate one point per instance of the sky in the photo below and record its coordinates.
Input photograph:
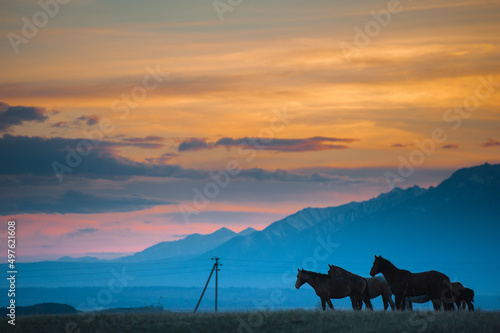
(127, 123)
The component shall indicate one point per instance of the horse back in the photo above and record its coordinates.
(342, 286)
(417, 284)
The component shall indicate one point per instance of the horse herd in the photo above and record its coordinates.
(407, 287)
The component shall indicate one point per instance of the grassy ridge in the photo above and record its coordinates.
(276, 321)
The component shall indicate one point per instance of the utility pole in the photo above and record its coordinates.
(216, 265)
(215, 268)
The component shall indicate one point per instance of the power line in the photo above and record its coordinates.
(101, 265)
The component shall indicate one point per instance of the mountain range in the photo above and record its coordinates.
(452, 227)
(186, 247)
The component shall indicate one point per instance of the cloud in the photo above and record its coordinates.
(150, 138)
(164, 158)
(194, 144)
(22, 155)
(450, 146)
(287, 176)
(89, 120)
(29, 159)
(16, 115)
(282, 145)
(60, 124)
(77, 202)
(490, 143)
(151, 142)
(88, 230)
(402, 145)
(81, 232)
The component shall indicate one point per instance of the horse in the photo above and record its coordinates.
(403, 283)
(327, 287)
(376, 285)
(464, 296)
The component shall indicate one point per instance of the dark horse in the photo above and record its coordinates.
(327, 287)
(464, 296)
(404, 283)
(376, 285)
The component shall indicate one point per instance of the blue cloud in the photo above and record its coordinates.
(16, 115)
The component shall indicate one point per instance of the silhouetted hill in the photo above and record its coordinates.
(41, 309)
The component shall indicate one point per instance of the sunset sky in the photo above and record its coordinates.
(166, 118)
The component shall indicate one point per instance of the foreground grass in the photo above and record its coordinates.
(276, 321)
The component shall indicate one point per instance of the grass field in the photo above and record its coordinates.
(276, 321)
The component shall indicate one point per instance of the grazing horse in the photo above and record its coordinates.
(327, 287)
(404, 283)
(376, 285)
(464, 296)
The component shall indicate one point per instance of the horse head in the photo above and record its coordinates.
(301, 278)
(470, 294)
(376, 266)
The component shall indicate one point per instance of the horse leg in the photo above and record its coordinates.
(437, 304)
(386, 304)
(470, 305)
(354, 302)
(399, 299)
(329, 301)
(323, 301)
(368, 303)
(366, 298)
(388, 297)
(409, 304)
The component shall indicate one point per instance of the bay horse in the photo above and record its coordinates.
(403, 283)
(327, 287)
(376, 285)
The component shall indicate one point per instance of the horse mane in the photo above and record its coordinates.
(316, 274)
(388, 263)
(338, 268)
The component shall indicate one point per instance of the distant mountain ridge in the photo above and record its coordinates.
(469, 194)
(191, 245)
